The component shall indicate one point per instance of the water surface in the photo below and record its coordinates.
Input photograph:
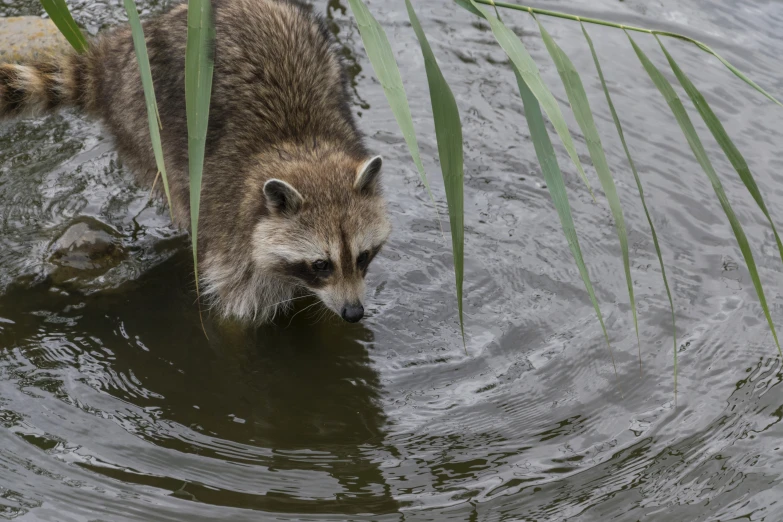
(115, 406)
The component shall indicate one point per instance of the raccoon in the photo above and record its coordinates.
(291, 199)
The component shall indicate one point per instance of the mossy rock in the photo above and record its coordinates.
(24, 38)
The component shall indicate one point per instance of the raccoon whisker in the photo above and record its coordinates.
(323, 313)
(288, 300)
(300, 311)
(319, 313)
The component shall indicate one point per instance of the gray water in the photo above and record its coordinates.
(115, 407)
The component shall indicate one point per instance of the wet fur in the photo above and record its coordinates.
(280, 108)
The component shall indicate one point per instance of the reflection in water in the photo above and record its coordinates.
(297, 400)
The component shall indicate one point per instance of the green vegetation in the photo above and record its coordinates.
(448, 132)
(61, 16)
(198, 90)
(149, 92)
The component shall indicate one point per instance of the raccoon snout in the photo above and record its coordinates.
(353, 312)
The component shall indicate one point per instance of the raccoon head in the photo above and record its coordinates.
(322, 227)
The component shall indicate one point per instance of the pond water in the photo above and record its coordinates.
(115, 406)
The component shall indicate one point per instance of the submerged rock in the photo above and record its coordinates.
(85, 249)
(29, 37)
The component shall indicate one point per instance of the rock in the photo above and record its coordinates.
(29, 37)
(84, 250)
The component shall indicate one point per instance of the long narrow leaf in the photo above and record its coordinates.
(526, 67)
(153, 116)
(526, 71)
(686, 125)
(468, 4)
(584, 117)
(723, 139)
(448, 131)
(554, 182)
(620, 132)
(728, 65)
(198, 89)
(383, 63)
(61, 16)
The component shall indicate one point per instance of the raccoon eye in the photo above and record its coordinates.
(363, 257)
(321, 265)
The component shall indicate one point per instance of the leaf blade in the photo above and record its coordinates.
(448, 131)
(735, 157)
(526, 66)
(379, 51)
(61, 16)
(198, 88)
(584, 117)
(677, 108)
(739, 74)
(556, 186)
(639, 186)
(153, 116)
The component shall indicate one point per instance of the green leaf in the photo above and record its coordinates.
(723, 139)
(198, 89)
(641, 193)
(153, 116)
(554, 182)
(61, 16)
(527, 68)
(686, 125)
(382, 59)
(728, 65)
(465, 4)
(533, 10)
(448, 131)
(584, 117)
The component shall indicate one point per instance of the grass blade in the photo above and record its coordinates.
(198, 89)
(723, 139)
(584, 117)
(686, 125)
(61, 16)
(620, 132)
(527, 68)
(448, 130)
(554, 182)
(728, 65)
(466, 4)
(385, 66)
(140, 46)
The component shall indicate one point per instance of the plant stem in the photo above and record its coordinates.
(558, 14)
(700, 45)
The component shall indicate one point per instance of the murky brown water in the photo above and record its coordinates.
(114, 406)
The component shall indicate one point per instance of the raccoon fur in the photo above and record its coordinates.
(291, 201)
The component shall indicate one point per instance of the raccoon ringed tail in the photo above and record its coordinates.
(46, 85)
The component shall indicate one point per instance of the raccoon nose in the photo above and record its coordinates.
(353, 312)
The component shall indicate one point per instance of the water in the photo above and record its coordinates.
(114, 405)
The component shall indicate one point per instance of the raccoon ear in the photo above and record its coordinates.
(282, 198)
(368, 176)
